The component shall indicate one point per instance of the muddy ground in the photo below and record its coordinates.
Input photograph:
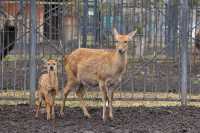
(20, 119)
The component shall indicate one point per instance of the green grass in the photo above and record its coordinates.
(11, 58)
(98, 103)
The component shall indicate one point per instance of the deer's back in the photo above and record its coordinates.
(81, 55)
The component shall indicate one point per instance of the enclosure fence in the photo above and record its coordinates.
(162, 64)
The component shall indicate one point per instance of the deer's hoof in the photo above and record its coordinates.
(88, 116)
(104, 119)
(61, 114)
(48, 118)
(36, 116)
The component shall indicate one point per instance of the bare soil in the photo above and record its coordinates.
(20, 119)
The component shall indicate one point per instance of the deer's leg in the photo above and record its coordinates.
(48, 101)
(52, 107)
(48, 110)
(110, 98)
(39, 104)
(67, 89)
(109, 93)
(104, 98)
(80, 93)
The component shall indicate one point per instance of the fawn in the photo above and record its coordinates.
(47, 89)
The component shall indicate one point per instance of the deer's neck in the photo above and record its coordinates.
(52, 79)
(119, 62)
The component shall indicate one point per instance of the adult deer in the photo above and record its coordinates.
(96, 67)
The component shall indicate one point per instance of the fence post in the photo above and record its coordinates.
(32, 53)
(172, 24)
(85, 23)
(184, 14)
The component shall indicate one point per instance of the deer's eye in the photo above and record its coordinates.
(125, 41)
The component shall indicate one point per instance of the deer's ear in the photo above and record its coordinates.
(131, 34)
(115, 33)
(44, 61)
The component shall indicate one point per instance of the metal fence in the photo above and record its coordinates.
(164, 41)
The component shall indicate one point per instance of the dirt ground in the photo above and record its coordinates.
(20, 119)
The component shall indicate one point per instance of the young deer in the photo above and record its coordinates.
(47, 89)
(96, 67)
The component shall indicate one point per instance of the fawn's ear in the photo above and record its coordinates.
(44, 60)
(115, 33)
(131, 34)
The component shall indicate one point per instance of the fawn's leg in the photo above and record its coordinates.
(49, 103)
(80, 93)
(39, 105)
(52, 107)
(48, 110)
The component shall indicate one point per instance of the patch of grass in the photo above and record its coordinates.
(11, 58)
(94, 99)
(195, 81)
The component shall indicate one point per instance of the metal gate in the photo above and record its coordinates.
(155, 57)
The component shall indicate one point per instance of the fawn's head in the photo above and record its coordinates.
(51, 65)
(122, 40)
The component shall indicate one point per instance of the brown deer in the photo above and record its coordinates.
(96, 67)
(196, 48)
(47, 89)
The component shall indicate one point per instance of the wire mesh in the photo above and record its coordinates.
(63, 25)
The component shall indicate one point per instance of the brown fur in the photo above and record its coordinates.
(47, 89)
(196, 48)
(92, 67)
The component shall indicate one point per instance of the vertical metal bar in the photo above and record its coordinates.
(190, 50)
(33, 50)
(121, 17)
(95, 22)
(101, 25)
(172, 16)
(21, 40)
(50, 22)
(14, 62)
(85, 22)
(2, 61)
(78, 24)
(145, 82)
(24, 40)
(167, 82)
(64, 47)
(71, 24)
(184, 41)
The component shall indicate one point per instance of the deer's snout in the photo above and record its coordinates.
(51, 68)
(122, 51)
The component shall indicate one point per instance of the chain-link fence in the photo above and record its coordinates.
(155, 68)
